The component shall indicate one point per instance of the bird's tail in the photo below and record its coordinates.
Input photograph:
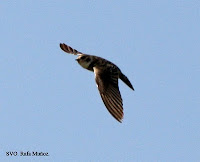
(69, 49)
(125, 80)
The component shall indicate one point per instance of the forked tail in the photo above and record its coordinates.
(125, 80)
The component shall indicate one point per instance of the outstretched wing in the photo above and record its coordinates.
(69, 49)
(107, 83)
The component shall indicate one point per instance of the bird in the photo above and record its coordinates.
(106, 77)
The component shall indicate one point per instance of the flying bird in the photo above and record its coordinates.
(106, 77)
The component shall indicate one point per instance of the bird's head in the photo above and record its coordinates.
(84, 60)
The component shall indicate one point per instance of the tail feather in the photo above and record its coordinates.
(125, 80)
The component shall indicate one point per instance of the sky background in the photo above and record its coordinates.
(49, 103)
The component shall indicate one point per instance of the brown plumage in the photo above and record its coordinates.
(106, 77)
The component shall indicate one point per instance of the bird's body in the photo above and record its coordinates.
(106, 76)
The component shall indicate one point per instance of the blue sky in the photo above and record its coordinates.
(49, 103)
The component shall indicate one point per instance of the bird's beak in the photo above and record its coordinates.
(77, 59)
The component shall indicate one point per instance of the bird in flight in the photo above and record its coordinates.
(106, 77)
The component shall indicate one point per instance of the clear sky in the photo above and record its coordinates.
(49, 103)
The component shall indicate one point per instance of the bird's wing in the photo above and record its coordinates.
(107, 83)
(69, 49)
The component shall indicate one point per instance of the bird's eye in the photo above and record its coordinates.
(83, 57)
(87, 60)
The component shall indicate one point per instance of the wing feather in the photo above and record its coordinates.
(111, 108)
(107, 81)
(69, 49)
